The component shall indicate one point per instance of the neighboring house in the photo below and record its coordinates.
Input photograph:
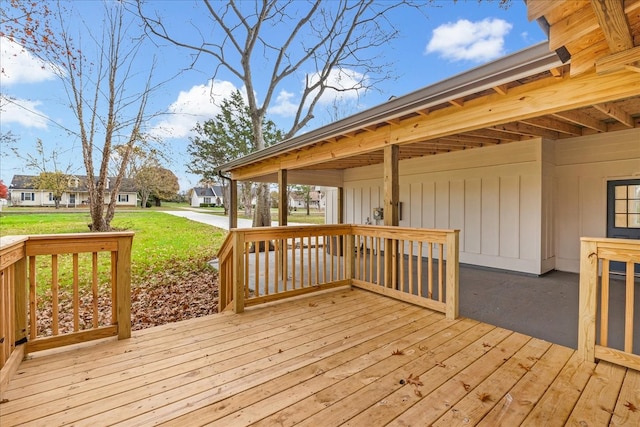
(316, 200)
(23, 192)
(212, 195)
(524, 155)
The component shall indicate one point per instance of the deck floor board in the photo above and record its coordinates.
(323, 359)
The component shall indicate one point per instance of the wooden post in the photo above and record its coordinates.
(283, 212)
(587, 300)
(453, 275)
(238, 271)
(21, 299)
(222, 284)
(391, 217)
(340, 205)
(350, 256)
(283, 203)
(233, 204)
(123, 286)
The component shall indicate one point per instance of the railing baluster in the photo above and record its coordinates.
(267, 243)
(114, 285)
(317, 248)
(430, 272)
(309, 269)
(94, 288)
(76, 294)
(33, 325)
(628, 312)
(440, 272)
(256, 277)
(604, 304)
(420, 291)
(411, 267)
(54, 295)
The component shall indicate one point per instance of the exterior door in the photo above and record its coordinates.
(72, 199)
(623, 213)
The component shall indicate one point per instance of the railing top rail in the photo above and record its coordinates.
(88, 235)
(407, 233)
(226, 246)
(8, 242)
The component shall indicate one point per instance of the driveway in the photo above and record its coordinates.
(203, 216)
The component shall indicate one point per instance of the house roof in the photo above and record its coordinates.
(204, 192)
(527, 95)
(26, 182)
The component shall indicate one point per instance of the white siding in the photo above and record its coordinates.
(583, 167)
(493, 195)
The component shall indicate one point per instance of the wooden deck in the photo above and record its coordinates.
(342, 357)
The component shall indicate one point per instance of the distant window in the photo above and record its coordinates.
(123, 197)
(51, 197)
(207, 200)
(27, 196)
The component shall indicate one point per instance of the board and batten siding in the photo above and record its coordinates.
(494, 195)
(583, 165)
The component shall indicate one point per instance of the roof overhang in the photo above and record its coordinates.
(529, 94)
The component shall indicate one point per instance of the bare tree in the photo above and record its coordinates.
(99, 73)
(338, 41)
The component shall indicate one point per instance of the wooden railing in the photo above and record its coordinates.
(70, 277)
(596, 258)
(301, 259)
(411, 264)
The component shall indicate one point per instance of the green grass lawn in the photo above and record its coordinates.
(164, 246)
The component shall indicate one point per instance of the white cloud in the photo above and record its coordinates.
(200, 103)
(22, 112)
(473, 41)
(343, 84)
(283, 106)
(19, 66)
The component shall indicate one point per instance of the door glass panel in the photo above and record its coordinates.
(634, 221)
(634, 206)
(621, 206)
(621, 220)
(621, 192)
(634, 191)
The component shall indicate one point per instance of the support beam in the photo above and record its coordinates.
(613, 22)
(547, 96)
(391, 214)
(618, 61)
(340, 205)
(283, 202)
(233, 204)
(391, 185)
(616, 113)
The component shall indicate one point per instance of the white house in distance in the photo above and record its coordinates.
(22, 192)
(212, 195)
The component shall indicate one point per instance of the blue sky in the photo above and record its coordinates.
(442, 40)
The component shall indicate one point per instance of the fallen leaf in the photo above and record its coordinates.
(417, 392)
(440, 364)
(466, 386)
(630, 406)
(485, 397)
(423, 347)
(414, 381)
(486, 344)
(397, 353)
(313, 304)
(4, 401)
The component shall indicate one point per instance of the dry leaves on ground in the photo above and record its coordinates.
(191, 295)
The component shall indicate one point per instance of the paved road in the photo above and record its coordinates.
(200, 215)
(205, 217)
